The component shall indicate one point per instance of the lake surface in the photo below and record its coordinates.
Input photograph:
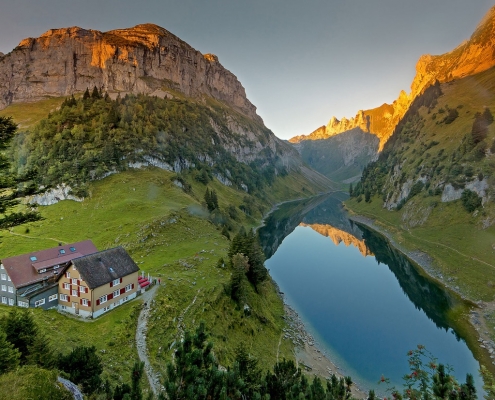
(365, 304)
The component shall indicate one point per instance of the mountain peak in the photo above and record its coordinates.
(145, 58)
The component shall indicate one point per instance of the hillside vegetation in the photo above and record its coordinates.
(433, 185)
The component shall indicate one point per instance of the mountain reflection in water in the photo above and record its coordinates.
(367, 311)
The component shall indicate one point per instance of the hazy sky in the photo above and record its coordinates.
(301, 61)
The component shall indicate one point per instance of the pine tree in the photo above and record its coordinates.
(237, 285)
(9, 355)
(86, 94)
(84, 367)
(207, 198)
(21, 331)
(95, 95)
(41, 353)
(214, 200)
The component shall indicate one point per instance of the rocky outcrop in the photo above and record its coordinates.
(471, 57)
(338, 236)
(145, 59)
(53, 196)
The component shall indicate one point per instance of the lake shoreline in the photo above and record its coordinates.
(476, 321)
(310, 357)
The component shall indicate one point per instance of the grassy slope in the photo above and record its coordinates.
(146, 213)
(27, 115)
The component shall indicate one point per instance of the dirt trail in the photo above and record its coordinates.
(141, 330)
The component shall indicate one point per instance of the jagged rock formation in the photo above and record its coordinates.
(145, 59)
(471, 57)
(338, 236)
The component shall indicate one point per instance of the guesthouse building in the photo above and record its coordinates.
(31, 279)
(96, 283)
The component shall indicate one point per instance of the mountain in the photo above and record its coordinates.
(143, 59)
(471, 57)
(155, 101)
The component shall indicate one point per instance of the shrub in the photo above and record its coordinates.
(470, 200)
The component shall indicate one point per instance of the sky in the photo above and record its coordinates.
(300, 61)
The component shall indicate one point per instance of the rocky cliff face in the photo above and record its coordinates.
(471, 57)
(145, 59)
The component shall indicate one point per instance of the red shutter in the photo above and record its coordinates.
(78, 292)
(120, 280)
(97, 302)
(86, 289)
(133, 285)
(80, 301)
(68, 299)
(122, 290)
(89, 303)
(111, 284)
(110, 296)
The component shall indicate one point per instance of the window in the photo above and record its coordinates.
(4, 288)
(103, 299)
(74, 293)
(73, 249)
(61, 251)
(4, 277)
(82, 289)
(11, 289)
(42, 270)
(4, 300)
(1, 266)
(24, 304)
(8, 278)
(116, 293)
(53, 297)
(84, 302)
(63, 297)
(116, 282)
(11, 302)
(56, 266)
(67, 274)
(33, 258)
(39, 302)
(128, 287)
(66, 286)
(74, 281)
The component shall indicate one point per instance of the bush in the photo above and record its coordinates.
(470, 200)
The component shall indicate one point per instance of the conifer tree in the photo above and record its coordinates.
(86, 94)
(9, 355)
(21, 331)
(95, 95)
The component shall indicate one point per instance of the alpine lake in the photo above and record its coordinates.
(365, 304)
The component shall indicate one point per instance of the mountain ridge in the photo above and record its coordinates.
(470, 57)
(143, 59)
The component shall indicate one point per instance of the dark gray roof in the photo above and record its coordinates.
(101, 268)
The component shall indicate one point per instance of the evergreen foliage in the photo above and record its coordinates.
(21, 331)
(9, 355)
(240, 265)
(84, 367)
(89, 137)
(470, 200)
(8, 199)
(248, 244)
(211, 200)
